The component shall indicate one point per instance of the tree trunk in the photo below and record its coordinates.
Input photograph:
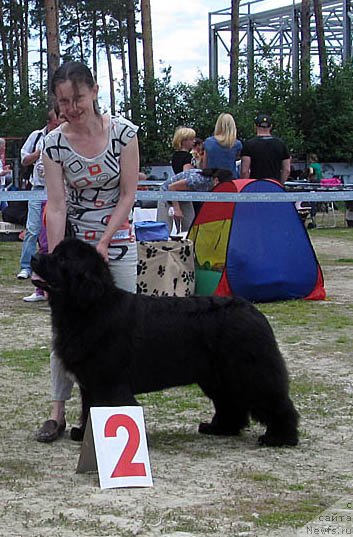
(23, 13)
(321, 40)
(12, 40)
(17, 49)
(305, 45)
(109, 61)
(123, 64)
(79, 32)
(53, 46)
(41, 49)
(5, 58)
(148, 56)
(234, 54)
(133, 67)
(94, 44)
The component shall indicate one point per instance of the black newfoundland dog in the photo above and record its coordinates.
(118, 344)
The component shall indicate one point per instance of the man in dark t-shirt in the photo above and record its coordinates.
(265, 156)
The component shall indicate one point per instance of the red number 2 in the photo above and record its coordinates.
(125, 467)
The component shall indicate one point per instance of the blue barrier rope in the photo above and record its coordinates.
(144, 195)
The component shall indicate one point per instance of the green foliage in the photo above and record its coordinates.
(198, 105)
(318, 120)
(204, 101)
(327, 116)
(156, 132)
(26, 115)
(195, 105)
(273, 96)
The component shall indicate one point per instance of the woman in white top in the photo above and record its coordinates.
(91, 167)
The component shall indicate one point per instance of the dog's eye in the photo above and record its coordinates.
(60, 260)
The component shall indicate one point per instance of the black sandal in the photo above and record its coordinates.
(50, 431)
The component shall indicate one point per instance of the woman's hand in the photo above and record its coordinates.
(102, 248)
(178, 213)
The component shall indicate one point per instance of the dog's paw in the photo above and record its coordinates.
(77, 434)
(273, 441)
(210, 428)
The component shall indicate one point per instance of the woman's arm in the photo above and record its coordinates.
(4, 170)
(129, 166)
(204, 162)
(245, 167)
(179, 185)
(239, 148)
(285, 170)
(31, 158)
(56, 206)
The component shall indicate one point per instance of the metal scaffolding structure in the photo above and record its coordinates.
(279, 31)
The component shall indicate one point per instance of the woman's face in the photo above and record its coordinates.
(76, 103)
(188, 144)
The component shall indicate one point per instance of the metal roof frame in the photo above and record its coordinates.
(279, 30)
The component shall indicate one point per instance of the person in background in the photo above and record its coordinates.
(222, 150)
(265, 156)
(197, 153)
(315, 169)
(38, 295)
(91, 167)
(182, 160)
(4, 169)
(30, 155)
(183, 142)
(196, 180)
(197, 159)
(314, 176)
(349, 213)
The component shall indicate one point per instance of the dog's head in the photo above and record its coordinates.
(74, 270)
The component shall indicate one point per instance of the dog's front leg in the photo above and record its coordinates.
(120, 395)
(117, 395)
(77, 433)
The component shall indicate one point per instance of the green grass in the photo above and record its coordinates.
(306, 313)
(265, 477)
(173, 416)
(176, 400)
(290, 514)
(20, 468)
(10, 253)
(333, 233)
(30, 361)
(305, 387)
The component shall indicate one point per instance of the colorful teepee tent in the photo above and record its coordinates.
(258, 250)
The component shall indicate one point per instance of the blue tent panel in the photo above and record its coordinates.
(270, 256)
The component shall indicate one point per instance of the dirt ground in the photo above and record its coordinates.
(202, 486)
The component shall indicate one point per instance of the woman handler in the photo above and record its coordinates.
(91, 168)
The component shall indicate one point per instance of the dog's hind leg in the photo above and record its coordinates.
(281, 422)
(231, 416)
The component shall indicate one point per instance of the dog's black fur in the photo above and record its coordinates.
(118, 344)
